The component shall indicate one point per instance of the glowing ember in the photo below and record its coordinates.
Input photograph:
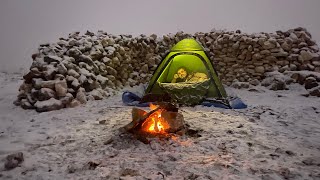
(155, 123)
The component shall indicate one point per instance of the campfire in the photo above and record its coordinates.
(163, 120)
(155, 123)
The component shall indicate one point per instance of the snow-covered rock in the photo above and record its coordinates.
(48, 105)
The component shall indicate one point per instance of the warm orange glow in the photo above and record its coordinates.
(152, 106)
(155, 123)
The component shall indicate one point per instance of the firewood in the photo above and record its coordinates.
(138, 117)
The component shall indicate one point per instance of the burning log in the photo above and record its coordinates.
(138, 117)
(161, 121)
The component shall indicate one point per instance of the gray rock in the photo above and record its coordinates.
(265, 52)
(74, 52)
(257, 56)
(278, 85)
(17, 102)
(102, 80)
(71, 90)
(111, 41)
(284, 68)
(302, 44)
(106, 60)
(119, 84)
(72, 42)
(260, 69)
(61, 88)
(110, 50)
(250, 71)
(85, 59)
(93, 84)
(49, 59)
(254, 82)
(62, 43)
(111, 78)
(73, 73)
(59, 77)
(132, 82)
(153, 36)
(104, 42)
(293, 57)
(48, 105)
(13, 160)
(294, 37)
(82, 79)
(74, 34)
(70, 78)
(122, 51)
(45, 84)
(145, 68)
(276, 50)
(96, 94)
(280, 54)
(68, 59)
(240, 85)
(116, 61)
(25, 87)
(293, 67)
(111, 70)
(75, 84)
(276, 81)
(315, 91)
(90, 98)
(268, 45)
(316, 62)
(25, 104)
(31, 99)
(67, 99)
(50, 72)
(286, 46)
(22, 95)
(73, 103)
(81, 96)
(62, 69)
(45, 94)
(310, 82)
(305, 56)
(315, 48)
(310, 67)
(86, 66)
(271, 58)
(298, 77)
(85, 72)
(236, 45)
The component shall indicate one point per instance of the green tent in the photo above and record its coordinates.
(188, 57)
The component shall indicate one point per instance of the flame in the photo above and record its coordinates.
(153, 107)
(155, 123)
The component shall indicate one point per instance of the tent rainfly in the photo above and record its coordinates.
(185, 76)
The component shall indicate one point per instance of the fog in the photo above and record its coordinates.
(26, 23)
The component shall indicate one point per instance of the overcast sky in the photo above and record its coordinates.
(26, 23)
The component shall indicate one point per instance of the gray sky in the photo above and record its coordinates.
(26, 23)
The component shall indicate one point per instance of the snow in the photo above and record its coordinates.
(276, 137)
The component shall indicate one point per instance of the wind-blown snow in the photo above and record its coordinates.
(276, 137)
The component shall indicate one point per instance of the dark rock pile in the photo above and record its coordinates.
(90, 66)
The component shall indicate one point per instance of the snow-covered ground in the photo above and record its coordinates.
(276, 137)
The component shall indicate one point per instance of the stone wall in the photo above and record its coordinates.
(88, 67)
(246, 57)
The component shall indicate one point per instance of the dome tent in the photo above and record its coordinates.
(188, 63)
